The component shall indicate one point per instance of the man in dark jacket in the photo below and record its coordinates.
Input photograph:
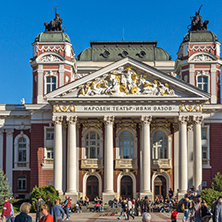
(38, 205)
(49, 203)
(146, 205)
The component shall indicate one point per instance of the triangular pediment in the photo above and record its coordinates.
(128, 78)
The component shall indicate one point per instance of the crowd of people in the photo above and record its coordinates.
(193, 208)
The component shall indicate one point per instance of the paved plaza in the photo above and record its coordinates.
(102, 216)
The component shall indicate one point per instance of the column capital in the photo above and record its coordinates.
(190, 127)
(109, 120)
(1, 131)
(9, 131)
(71, 119)
(198, 119)
(57, 119)
(183, 119)
(146, 119)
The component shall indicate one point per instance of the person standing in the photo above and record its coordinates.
(57, 212)
(6, 212)
(38, 205)
(67, 206)
(49, 203)
(47, 217)
(196, 211)
(145, 204)
(174, 215)
(218, 214)
(23, 216)
(186, 209)
(12, 213)
(170, 193)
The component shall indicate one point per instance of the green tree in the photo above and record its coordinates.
(43, 192)
(4, 187)
(217, 184)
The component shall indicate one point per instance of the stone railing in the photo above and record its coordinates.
(92, 163)
(21, 164)
(206, 162)
(48, 161)
(126, 164)
(161, 163)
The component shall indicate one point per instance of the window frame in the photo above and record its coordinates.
(49, 74)
(203, 74)
(123, 146)
(24, 179)
(206, 144)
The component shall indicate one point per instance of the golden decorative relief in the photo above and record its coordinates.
(64, 108)
(160, 171)
(125, 81)
(190, 108)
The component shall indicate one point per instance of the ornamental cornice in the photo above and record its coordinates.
(198, 119)
(57, 119)
(64, 108)
(201, 48)
(183, 119)
(120, 124)
(51, 49)
(86, 124)
(190, 108)
(51, 58)
(109, 120)
(146, 119)
(71, 119)
(163, 123)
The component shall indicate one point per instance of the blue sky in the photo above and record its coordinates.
(85, 21)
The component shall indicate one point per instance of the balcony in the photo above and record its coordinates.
(206, 162)
(48, 162)
(161, 164)
(21, 165)
(126, 164)
(92, 163)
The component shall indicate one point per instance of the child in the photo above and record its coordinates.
(174, 215)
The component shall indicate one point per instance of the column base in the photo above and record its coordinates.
(108, 196)
(146, 193)
(181, 195)
(73, 195)
(60, 192)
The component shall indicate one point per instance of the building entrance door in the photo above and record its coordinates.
(92, 187)
(126, 187)
(160, 186)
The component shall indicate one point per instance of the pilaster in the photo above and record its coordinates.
(1, 147)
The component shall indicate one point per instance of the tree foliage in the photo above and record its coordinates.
(43, 192)
(217, 184)
(4, 187)
(209, 195)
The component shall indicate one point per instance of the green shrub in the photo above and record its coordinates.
(209, 196)
(217, 184)
(43, 192)
(4, 188)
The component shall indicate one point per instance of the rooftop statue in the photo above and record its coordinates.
(55, 24)
(197, 23)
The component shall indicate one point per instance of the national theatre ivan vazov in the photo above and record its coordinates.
(120, 118)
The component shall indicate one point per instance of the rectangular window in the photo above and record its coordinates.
(204, 133)
(49, 134)
(204, 153)
(21, 183)
(49, 153)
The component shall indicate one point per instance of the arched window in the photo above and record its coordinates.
(159, 145)
(92, 145)
(126, 145)
(50, 83)
(202, 83)
(22, 149)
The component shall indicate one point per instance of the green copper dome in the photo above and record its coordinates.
(52, 37)
(110, 51)
(200, 36)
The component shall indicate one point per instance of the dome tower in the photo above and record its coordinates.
(198, 61)
(53, 61)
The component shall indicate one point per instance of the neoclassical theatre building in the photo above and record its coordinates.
(121, 118)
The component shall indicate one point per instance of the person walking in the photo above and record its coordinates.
(129, 207)
(12, 213)
(67, 206)
(38, 205)
(57, 212)
(6, 212)
(186, 209)
(218, 214)
(196, 214)
(124, 209)
(24, 211)
(47, 217)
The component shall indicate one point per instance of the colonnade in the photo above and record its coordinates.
(145, 179)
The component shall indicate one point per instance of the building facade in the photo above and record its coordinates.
(121, 118)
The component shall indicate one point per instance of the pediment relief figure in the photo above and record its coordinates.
(50, 58)
(125, 81)
(202, 58)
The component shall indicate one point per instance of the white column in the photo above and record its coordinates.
(64, 163)
(213, 82)
(190, 147)
(197, 154)
(40, 84)
(176, 157)
(58, 153)
(146, 157)
(1, 148)
(71, 156)
(108, 159)
(61, 75)
(183, 183)
(9, 156)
